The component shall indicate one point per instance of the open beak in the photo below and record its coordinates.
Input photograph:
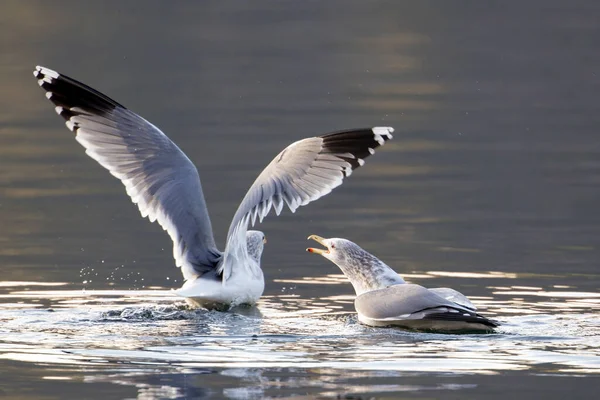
(319, 240)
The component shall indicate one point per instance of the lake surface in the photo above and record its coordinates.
(490, 186)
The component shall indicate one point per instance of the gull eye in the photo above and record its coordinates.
(333, 246)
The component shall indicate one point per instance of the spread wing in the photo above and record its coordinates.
(158, 176)
(303, 172)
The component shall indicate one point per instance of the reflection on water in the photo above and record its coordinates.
(151, 341)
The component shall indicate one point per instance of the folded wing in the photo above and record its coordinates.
(158, 176)
(454, 296)
(413, 302)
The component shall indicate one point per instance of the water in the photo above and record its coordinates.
(490, 187)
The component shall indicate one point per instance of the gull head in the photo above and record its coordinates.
(255, 240)
(336, 249)
(347, 255)
(365, 271)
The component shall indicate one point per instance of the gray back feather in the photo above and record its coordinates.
(398, 300)
(454, 296)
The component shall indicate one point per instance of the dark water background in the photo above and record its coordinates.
(490, 186)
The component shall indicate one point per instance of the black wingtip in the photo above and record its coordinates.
(67, 94)
(463, 317)
(359, 143)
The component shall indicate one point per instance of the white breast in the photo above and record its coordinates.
(242, 287)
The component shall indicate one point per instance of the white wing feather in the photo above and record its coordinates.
(303, 172)
(157, 175)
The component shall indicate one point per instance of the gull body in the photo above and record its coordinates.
(244, 286)
(165, 185)
(383, 298)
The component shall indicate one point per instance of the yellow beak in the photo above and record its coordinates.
(319, 240)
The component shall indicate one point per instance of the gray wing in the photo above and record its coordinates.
(303, 172)
(158, 176)
(412, 302)
(454, 296)
(398, 301)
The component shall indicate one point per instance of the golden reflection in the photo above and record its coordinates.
(583, 371)
(279, 307)
(26, 283)
(487, 275)
(336, 279)
(343, 298)
(545, 293)
(38, 355)
(68, 298)
(19, 306)
(330, 279)
(586, 302)
(57, 378)
(526, 287)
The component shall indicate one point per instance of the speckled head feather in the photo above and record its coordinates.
(255, 241)
(365, 271)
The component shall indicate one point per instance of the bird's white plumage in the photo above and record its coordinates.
(142, 162)
(382, 134)
(166, 187)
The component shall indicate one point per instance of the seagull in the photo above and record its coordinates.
(383, 298)
(165, 185)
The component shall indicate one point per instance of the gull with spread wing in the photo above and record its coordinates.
(165, 185)
(383, 298)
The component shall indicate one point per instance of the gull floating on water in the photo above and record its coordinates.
(383, 298)
(165, 185)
